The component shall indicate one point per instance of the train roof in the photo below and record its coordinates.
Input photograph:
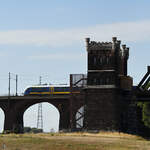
(58, 85)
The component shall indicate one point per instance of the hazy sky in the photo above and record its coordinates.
(46, 38)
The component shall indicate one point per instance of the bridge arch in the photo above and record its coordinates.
(51, 116)
(2, 118)
(14, 117)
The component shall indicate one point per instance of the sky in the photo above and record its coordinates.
(47, 38)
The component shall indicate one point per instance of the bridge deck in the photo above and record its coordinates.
(46, 97)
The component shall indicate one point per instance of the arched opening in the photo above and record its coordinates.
(80, 117)
(50, 117)
(2, 117)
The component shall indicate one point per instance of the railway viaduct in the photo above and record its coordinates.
(106, 94)
(15, 106)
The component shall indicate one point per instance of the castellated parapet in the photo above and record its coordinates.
(108, 47)
(107, 62)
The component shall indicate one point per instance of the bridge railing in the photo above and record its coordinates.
(78, 80)
(144, 84)
(77, 83)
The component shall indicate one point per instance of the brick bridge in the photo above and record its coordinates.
(106, 94)
(15, 106)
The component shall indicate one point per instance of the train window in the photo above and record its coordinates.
(66, 89)
(57, 89)
(39, 89)
(29, 89)
(45, 89)
(33, 89)
(61, 89)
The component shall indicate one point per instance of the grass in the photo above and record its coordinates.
(73, 141)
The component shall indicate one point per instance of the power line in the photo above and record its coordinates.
(40, 81)
(9, 84)
(16, 84)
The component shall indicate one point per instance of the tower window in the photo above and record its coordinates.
(100, 60)
(107, 80)
(107, 60)
(95, 60)
(95, 81)
(101, 81)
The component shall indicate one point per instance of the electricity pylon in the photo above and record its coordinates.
(40, 116)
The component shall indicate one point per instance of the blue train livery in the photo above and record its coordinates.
(48, 90)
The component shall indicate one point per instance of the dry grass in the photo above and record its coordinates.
(74, 141)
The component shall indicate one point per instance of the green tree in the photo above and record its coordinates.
(35, 130)
(27, 129)
(32, 130)
(146, 114)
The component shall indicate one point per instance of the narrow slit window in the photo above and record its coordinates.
(95, 61)
(100, 60)
(95, 81)
(107, 80)
(107, 60)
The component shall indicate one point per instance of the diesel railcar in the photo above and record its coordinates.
(48, 90)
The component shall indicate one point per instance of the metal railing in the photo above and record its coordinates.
(78, 80)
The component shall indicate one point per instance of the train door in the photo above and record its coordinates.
(52, 90)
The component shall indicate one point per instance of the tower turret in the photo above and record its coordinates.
(107, 72)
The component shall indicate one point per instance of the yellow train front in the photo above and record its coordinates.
(48, 90)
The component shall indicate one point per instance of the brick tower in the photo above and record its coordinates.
(107, 77)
